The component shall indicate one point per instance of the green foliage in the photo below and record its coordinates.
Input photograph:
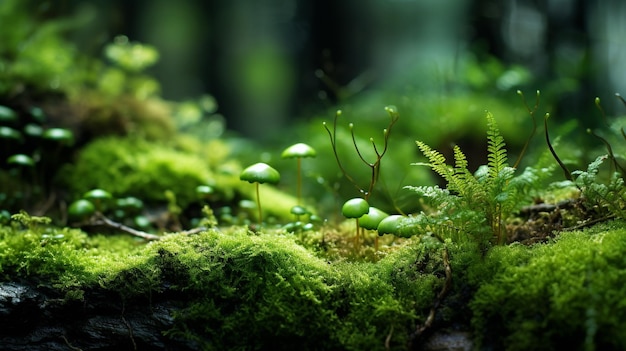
(610, 196)
(269, 292)
(567, 294)
(135, 167)
(32, 51)
(474, 204)
(379, 152)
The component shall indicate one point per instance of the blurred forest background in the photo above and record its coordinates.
(268, 62)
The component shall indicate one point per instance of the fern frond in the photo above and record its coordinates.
(464, 181)
(460, 161)
(496, 148)
(437, 161)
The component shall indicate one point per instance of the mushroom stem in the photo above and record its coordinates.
(258, 203)
(299, 184)
(356, 238)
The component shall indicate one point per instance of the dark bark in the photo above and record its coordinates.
(39, 318)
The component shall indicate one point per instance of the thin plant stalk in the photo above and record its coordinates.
(299, 181)
(258, 203)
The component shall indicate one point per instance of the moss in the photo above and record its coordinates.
(235, 290)
(566, 294)
(135, 167)
(268, 292)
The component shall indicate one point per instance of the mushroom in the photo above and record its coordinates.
(260, 173)
(21, 160)
(7, 115)
(204, 192)
(80, 210)
(298, 211)
(355, 208)
(59, 135)
(299, 151)
(55, 140)
(370, 221)
(99, 198)
(390, 225)
(20, 163)
(128, 206)
(9, 140)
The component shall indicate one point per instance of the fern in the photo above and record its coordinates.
(476, 204)
(496, 151)
(610, 196)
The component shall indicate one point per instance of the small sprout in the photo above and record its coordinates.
(81, 210)
(299, 151)
(355, 208)
(99, 198)
(371, 220)
(260, 173)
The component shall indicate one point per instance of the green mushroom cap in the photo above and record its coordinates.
(260, 173)
(355, 208)
(97, 194)
(10, 133)
(299, 210)
(21, 160)
(7, 114)
(372, 218)
(100, 198)
(81, 209)
(60, 135)
(390, 225)
(129, 204)
(299, 150)
(204, 190)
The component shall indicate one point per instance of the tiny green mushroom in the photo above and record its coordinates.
(60, 135)
(98, 197)
(80, 210)
(20, 163)
(355, 208)
(129, 205)
(390, 225)
(204, 191)
(37, 114)
(260, 173)
(371, 220)
(10, 135)
(299, 211)
(7, 115)
(299, 151)
(21, 160)
(56, 139)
